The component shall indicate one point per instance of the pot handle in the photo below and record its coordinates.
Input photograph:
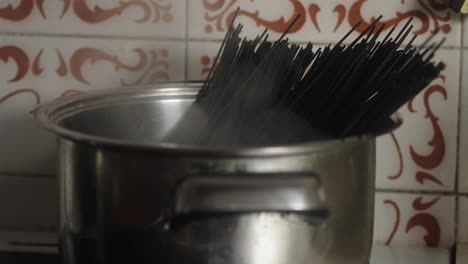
(286, 193)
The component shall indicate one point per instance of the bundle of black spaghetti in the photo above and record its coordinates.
(263, 92)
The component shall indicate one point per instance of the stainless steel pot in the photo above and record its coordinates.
(127, 198)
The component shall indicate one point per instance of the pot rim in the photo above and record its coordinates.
(49, 114)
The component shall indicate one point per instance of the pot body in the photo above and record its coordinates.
(113, 205)
(124, 199)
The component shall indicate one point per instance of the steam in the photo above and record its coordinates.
(245, 124)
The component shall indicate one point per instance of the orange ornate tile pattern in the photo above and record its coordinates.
(152, 64)
(37, 69)
(155, 10)
(414, 220)
(150, 18)
(422, 154)
(320, 20)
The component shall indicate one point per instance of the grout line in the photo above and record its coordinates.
(147, 38)
(107, 37)
(317, 43)
(423, 192)
(457, 203)
(453, 254)
(459, 120)
(28, 241)
(462, 35)
(186, 39)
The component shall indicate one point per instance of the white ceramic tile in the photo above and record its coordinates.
(414, 220)
(149, 18)
(36, 69)
(462, 254)
(463, 151)
(201, 56)
(25, 147)
(463, 219)
(465, 31)
(28, 204)
(409, 255)
(463, 90)
(94, 64)
(321, 20)
(421, 155)
(88, 63)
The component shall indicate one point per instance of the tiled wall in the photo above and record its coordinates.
(52, 48)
